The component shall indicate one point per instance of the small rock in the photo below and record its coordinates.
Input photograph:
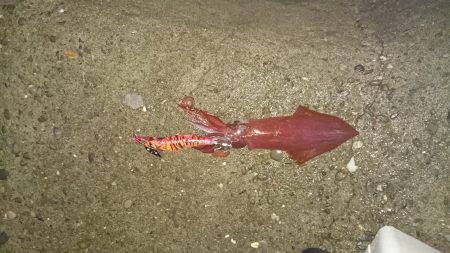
(351, 165)
(33, 214)
(339, 176)
(91, 157)
(52, 38)
(394, 115)
(10, 215)
(6, 114)
(254, 245)
(233, 241)
(83, 244)
(56, 132)
(3, 174)
(357, 145)
(380, 187)
(114, 184)
(383, 58)
(389, 66)
(314, 250)
(447, 236)
(144, 109)
(26, 155)
(276, 155)
(133, 101)
(42, 118)
(275, 217)
(359, 68)
(362, 245)
(128, 203)
(3, 238)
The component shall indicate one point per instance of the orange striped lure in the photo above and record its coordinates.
(155, 145)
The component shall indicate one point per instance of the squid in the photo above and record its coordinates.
(303, 135)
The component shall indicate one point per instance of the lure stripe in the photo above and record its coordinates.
(177, 142)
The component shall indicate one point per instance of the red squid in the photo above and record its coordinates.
(303, 135)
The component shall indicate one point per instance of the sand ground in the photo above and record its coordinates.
(72, 181)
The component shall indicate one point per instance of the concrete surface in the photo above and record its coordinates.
(74, 182)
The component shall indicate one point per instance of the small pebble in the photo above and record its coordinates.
(340, 175)
(26, 155)
(42, 118)
(351, 165)
(389, 66)
(3, 174)
(144, 109)
(33, 214)
(394, 115)
(220, 185)
(114, 184)
(226, 236)
(56, 132)
(128, 203)
(91, 157)
(357, 145)
(383, 58)
(58, 173)
(314, 250)
(6, 114)
(3, 238)
(10, 215)
(233, 241)
(380, 187)
(133, 101)
(254, 245)
(276, 155)
(275, 217)
(359, 68)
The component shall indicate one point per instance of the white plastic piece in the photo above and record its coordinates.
(392, 240)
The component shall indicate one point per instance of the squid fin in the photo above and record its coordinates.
(302, 156)
(303, 111)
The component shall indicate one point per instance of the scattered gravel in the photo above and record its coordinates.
(3, 238)
(91, 157)
(254, 245)
(351, 165)
(42, 118)
(339, 176)
(10, 215)
(359, 68)
(357, 145)
(6, 114)
(56, 132)
(127, 204)
(3, 174)
(276, 155)
(133, 101)
(275, 217)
